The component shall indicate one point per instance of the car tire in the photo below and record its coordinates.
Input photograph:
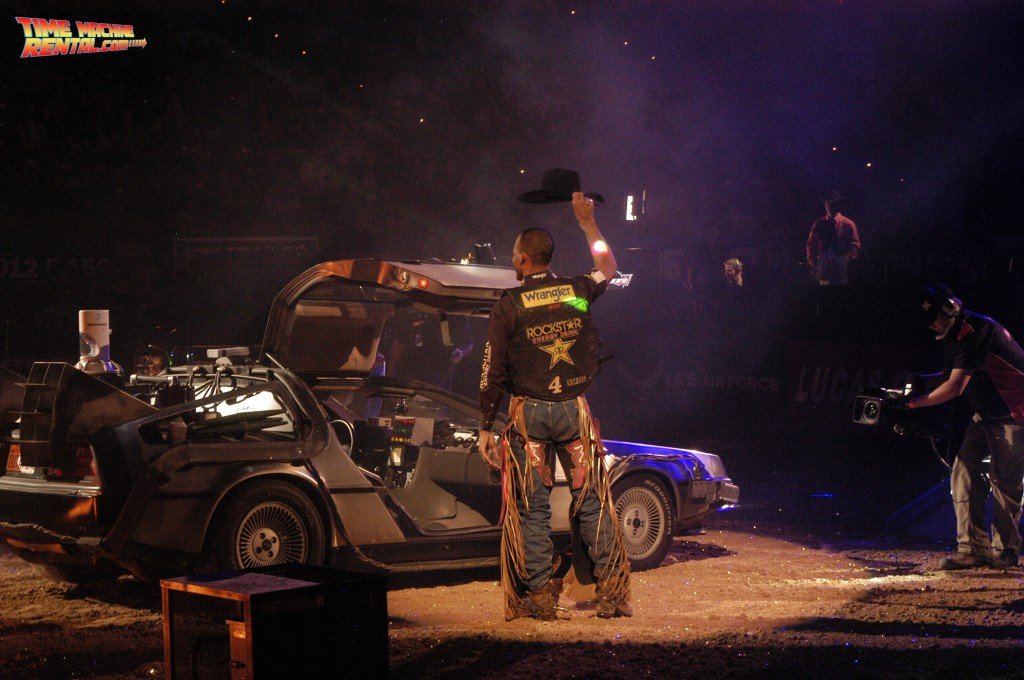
(646, 519)
(262, 524)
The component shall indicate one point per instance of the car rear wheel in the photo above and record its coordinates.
(265, 523)
(645, 518)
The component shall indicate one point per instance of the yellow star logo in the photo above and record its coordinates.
(559, 351)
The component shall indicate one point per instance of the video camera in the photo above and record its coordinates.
(887, 408)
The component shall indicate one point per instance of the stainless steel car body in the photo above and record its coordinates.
(154, 500)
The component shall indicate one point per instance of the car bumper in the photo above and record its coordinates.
(726, 494)
(715, 493)
(37, 512)
(40, 539)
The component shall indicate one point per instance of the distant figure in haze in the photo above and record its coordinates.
(832, 243)
(732, 269)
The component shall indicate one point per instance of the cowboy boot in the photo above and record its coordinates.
(608, 606)
(541, 603)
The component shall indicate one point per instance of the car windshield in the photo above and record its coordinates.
(422, 344)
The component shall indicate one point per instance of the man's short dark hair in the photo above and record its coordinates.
(538, 244)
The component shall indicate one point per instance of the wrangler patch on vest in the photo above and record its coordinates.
(539, 297)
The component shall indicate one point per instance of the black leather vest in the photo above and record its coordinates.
(553, 351)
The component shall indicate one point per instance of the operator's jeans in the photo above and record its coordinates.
(556, 423)
(1004, 442)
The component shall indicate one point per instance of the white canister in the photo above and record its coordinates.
(94, 342)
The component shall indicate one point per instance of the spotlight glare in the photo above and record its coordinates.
(868, 164)
(599, 247)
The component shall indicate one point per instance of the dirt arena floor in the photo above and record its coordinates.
(748, 598)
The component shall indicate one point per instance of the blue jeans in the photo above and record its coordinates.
(556, 424)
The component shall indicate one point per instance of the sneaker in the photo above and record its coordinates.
(964, 561)
(1007, 559)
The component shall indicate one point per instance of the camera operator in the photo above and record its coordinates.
(981, 360)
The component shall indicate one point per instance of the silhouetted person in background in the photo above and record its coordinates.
(832, 243)
(732, 270)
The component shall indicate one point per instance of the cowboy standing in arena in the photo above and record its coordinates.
(542, 349)
(832, 243)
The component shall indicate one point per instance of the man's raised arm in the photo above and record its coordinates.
(604, 259)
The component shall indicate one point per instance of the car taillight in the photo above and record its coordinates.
(14, 458)
(83, 467)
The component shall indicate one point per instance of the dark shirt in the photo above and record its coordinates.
(495, 379)
(982, 346)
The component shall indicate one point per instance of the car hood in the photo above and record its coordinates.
(711, 462)
(329, 319)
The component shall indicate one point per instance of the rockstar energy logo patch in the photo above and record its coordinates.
(546, 332)
(551, 295)
(559, 351)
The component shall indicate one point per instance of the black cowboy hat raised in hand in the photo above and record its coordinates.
(557, 186)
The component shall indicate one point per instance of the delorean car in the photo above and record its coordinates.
(316, 451)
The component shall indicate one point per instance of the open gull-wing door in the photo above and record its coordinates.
(329, 319)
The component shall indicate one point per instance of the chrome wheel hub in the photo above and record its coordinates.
(272, 533)
(642, 520)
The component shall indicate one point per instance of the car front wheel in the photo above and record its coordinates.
(645, 519)
(265, 523)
